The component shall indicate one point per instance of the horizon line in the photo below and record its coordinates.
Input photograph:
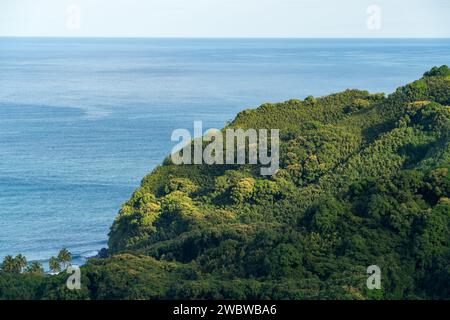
(224, 37)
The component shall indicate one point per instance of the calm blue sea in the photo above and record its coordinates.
(83, 120)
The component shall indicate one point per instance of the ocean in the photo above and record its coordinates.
(82, 121)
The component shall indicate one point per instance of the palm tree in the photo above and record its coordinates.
(21, 262)
(35, 267)
(54, 265)
(9, 264)
(64, 257)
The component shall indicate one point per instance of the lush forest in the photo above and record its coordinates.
(363, 180)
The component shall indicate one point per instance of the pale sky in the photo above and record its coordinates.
(225, 18)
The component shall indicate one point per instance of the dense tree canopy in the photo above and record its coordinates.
(364, 180)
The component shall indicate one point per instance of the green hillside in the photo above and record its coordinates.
(363, 180)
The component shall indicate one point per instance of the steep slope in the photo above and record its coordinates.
(363, 180)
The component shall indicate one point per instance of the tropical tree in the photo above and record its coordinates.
(54, 265)
(9, 264)
(21, 262)
(35, 267)
(64, 257)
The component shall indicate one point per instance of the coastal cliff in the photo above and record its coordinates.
(363, 180)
